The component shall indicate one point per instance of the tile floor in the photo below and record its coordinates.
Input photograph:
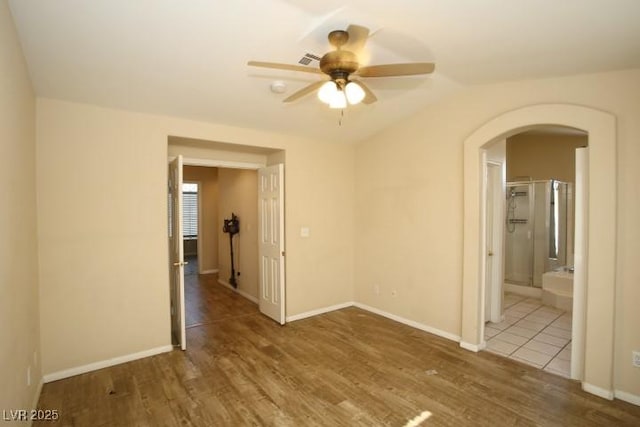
(532, 333)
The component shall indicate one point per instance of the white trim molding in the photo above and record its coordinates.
(598, 391)
(473, 347)
(189, 161)
(213, 271)
(408, 322)
(239, 291)
(634, 399)
(319, 311)
(54, 376)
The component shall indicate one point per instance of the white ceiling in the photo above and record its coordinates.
(188, 58)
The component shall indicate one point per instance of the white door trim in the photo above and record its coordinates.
(580, 261)
(212, 163)
(176, 253)
(601, 274)
(494, 287)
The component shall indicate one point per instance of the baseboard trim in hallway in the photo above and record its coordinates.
(54, 376)
(239, 291)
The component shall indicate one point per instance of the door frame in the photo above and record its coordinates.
(215, 163)
(598, 375)
(493, 289)
(176, 265)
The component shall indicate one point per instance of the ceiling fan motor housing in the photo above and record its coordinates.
(339, 63)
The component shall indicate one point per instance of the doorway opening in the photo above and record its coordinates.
(225, 192)
(596, 343)
(533, 205)
(202, 290)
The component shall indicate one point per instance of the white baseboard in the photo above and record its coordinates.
(598, 391)
(215, 270)
(318, 311)
(238, 291)
(54, 376)
(408, 322)
(634, 399)
(473, 347)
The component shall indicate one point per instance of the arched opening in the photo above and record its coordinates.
(597, 375)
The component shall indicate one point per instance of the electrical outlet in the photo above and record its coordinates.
(636, 358)
(376, 289)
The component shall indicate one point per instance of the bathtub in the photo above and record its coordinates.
(557, 288)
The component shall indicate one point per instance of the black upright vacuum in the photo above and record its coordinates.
(232, 226)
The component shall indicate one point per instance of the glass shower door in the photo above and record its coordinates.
(519, 235)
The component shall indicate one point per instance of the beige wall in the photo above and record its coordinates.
(208, 198)
(239, 194)
(543, 156)
(19, 300)
(409, 207)
(104, 256)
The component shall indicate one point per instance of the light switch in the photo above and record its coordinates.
(304, 232)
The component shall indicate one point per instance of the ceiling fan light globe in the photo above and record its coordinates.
(327, 92)
(339, 100)
(354, 92)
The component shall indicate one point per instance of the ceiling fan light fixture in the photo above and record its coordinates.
(354, 92)
(327, 92)
(339, 100)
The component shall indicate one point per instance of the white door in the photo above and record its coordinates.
(271, 241)
(494, 238)
(176, 253)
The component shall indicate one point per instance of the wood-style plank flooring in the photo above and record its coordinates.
(345, 368)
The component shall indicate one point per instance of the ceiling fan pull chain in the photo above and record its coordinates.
(341, 116)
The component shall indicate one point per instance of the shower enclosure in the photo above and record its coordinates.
(539, 230)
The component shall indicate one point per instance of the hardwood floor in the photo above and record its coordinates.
(204, 306)
(345, 368)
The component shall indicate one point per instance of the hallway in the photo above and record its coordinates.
(207, 302)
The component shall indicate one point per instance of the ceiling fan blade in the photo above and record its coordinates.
(391, 70)
(304, 91)
(369, 97)
(289, 67)
(358, 36)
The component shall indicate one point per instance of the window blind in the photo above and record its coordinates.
(190, 214)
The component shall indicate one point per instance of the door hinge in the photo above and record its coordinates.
(282, 253)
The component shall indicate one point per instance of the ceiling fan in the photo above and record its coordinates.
(341, 64)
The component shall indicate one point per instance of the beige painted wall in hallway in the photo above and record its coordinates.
(543, 156)
(238, 193)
